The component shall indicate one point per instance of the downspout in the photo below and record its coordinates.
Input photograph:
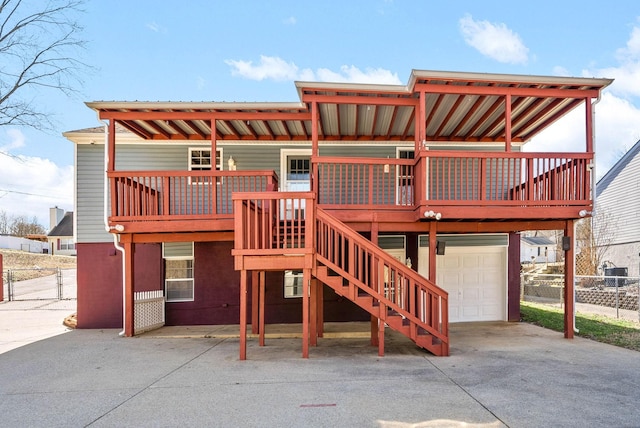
(593, 197)
(117, 227)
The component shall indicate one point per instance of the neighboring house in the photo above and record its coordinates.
(537, 249)
(396, 204)
(22, 244)
(618, 204)
(60, 237)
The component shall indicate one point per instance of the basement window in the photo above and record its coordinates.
(293, 283)
(178, 271)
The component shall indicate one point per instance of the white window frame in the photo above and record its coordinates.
(168, 281)
(195, 167)
(287, 208)
(293, 284)
(400, 194)
(67, 244)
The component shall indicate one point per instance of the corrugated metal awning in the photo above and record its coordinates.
(458, 107)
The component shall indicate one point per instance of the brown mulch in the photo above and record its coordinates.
(71, 321)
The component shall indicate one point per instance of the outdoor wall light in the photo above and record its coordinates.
(232, 163)
(583, 213)
(119, 227)
(432, 214)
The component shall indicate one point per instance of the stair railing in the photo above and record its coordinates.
(369, 268)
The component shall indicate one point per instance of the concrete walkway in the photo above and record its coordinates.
(37, 314)
(499, 374)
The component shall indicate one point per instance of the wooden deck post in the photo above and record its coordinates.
(568, 281)
(320, 310)
(255, 302)
(313, 312)
(433, 241)
(306, 281)
(129, 324)
(261, 286)
(375, 321)
(381, 334)
(243, 314)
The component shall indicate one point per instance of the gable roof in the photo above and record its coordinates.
(616, 169)
(458, 107)
(65, 227)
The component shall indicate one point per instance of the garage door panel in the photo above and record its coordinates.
(470, 313)
(475, 278)
(451, 263)
(471, 261)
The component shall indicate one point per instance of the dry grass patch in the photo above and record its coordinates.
(38, 264)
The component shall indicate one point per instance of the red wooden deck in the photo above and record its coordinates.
(455, 185)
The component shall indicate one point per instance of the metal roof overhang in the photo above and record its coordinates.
(458, 107)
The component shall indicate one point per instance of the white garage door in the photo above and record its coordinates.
(476, 280)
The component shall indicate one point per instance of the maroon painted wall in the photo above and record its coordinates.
(99, 278)
(513, 278)
(217, 289)
(217, 294)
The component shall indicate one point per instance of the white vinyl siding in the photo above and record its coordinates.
(620, 204)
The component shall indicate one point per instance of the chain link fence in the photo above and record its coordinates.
(39, 284)
(611, 295)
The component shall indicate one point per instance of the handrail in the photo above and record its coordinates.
(369, 268)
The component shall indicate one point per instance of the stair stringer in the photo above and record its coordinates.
(405, 320)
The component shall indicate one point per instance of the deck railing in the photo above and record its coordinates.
(184, 195)
(435, 179)
(364, 182)
(273, 223)
(454, 178)
(507, 179)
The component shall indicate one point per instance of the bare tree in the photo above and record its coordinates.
(22, 227)
(594, 236)
(4, 223)
(39, 49)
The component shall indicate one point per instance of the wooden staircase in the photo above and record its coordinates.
(341, 258)
(374, 280)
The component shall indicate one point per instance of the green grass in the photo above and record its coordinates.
(623, 333)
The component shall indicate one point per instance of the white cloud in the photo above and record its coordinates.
(616, 130)
(270, 67)
(155, 27)
(494, 40)
(560, 71)
(290, 21)
(275, 68)
(617, 114)
(627, 73)
(15, 140)
(201, 82)
(29, 186)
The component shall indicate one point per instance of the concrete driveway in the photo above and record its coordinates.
(515, 375)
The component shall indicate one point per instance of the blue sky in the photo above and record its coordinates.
(155, 50)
